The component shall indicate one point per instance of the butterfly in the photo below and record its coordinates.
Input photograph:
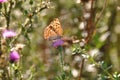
(53, 31)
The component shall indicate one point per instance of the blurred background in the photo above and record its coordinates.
(95, 24)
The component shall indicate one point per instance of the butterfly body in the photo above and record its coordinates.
(53, 30)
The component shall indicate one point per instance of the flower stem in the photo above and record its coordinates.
(61, 60)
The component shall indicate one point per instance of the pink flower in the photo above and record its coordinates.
(58, 43)
(14, 56)
(8, 34)
(2, 1)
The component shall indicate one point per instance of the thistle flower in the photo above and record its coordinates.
(8, 34)
(14, 56)
(2, 1)
(58, 43)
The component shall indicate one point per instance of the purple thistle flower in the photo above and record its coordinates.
(8, 34)
(2, 1)
(58, 43)
(14, 56)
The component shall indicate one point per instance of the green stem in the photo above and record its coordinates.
(61, 59)
(8, 13)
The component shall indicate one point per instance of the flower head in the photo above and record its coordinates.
(14, 56)
(2, 1)
(8, 34)
(58, 43)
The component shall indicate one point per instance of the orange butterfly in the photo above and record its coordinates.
(53, 30)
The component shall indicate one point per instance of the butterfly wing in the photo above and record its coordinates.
(49, 33)
(57, 27)
(53, 30)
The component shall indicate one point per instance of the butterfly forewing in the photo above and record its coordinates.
(53, 30)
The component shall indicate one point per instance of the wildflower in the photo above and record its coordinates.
(8, 34)
(2, 1)
(58, 43)
(14, 56)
